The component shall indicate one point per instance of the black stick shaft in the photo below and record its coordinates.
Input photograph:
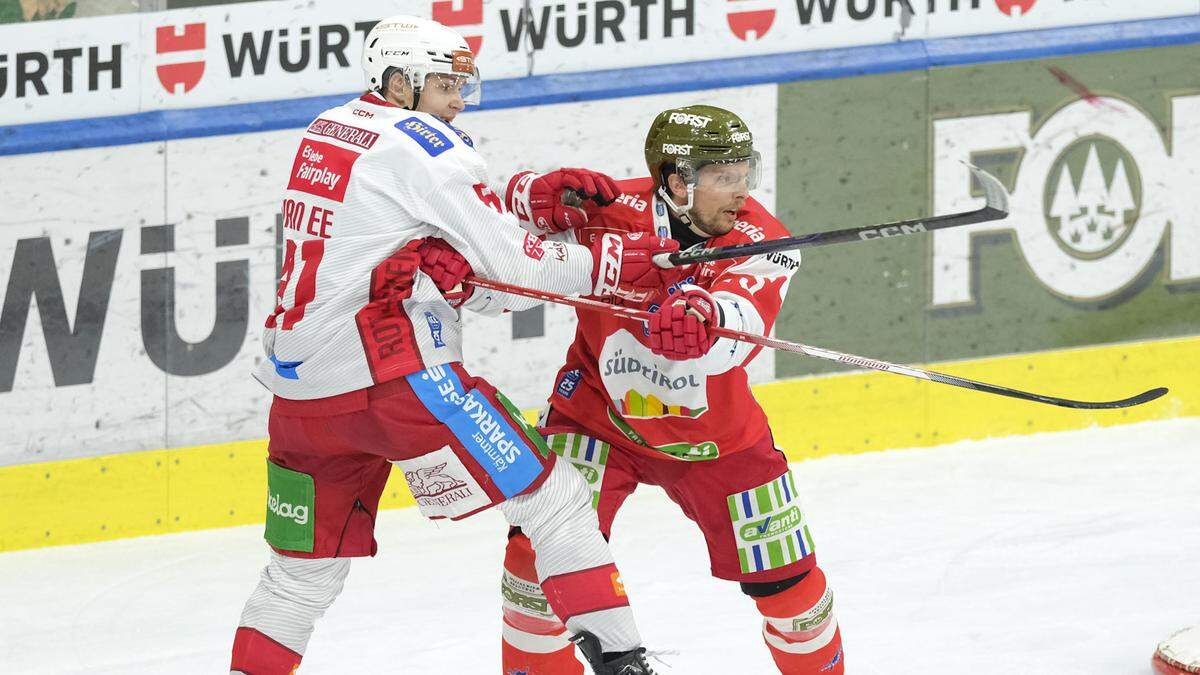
(642, 316)
(996, 208)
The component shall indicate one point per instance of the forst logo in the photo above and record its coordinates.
(1011, 7)
(1094, 207)
(677, 149)
(172, 40)
(1091, 211)
(749, 24)
(695, 121)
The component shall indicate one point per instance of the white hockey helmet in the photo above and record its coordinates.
(419, 47)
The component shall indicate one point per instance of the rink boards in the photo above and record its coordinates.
(144, 493)
(137, 272)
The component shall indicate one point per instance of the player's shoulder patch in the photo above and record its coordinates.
(346, 133)
(430, 138)
(466, 138)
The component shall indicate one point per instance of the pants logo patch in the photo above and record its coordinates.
(291, 509)
(768, 526)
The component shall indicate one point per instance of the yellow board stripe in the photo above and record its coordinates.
(182, 489)
(861, 412)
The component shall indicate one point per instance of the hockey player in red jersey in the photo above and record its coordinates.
(364, 354)
(667, 404)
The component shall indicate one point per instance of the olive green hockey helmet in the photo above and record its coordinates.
(684, 140)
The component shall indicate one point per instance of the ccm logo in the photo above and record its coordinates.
(610, 261)
(891, 231)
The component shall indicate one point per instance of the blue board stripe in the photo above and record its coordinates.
(242, 118)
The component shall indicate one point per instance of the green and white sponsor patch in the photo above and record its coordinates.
(291, 509)
(531, 433)
(525, 597)
(768, 525)
(702, 451)
(587, 454)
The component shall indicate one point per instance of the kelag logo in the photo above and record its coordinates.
(170, 40)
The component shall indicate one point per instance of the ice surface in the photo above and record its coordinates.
(1070, 553)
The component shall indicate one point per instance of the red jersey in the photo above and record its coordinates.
(692, 410)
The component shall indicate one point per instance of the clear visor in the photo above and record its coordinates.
(733, 175)
(468, 87)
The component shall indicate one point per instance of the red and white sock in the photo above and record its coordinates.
(801, 630)
(257, 654)
(580, 582)
(534, 640)
(279, 616)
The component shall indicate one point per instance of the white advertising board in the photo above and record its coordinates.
(136, 278)
(263, 51)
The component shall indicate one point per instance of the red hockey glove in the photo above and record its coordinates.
(679, 330)
(446, 266)
(549, 201)
(623, 265)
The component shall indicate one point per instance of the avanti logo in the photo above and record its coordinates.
(297, 513)
(772, 526)
(590, 474)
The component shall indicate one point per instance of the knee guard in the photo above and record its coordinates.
(799, 626)
(534, 640)
(279, 617)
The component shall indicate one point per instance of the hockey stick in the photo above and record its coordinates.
(820, 353)
(995, 208)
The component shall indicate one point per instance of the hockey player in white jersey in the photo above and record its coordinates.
(364, 354)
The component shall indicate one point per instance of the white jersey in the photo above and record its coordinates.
(368, 181)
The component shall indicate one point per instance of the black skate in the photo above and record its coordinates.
(612, 663)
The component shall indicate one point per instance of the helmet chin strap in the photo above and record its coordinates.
(683, 212)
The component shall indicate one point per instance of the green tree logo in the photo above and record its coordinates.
(1093, 197)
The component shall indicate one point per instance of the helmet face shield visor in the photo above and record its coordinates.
(467, 86)
(732, 175)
